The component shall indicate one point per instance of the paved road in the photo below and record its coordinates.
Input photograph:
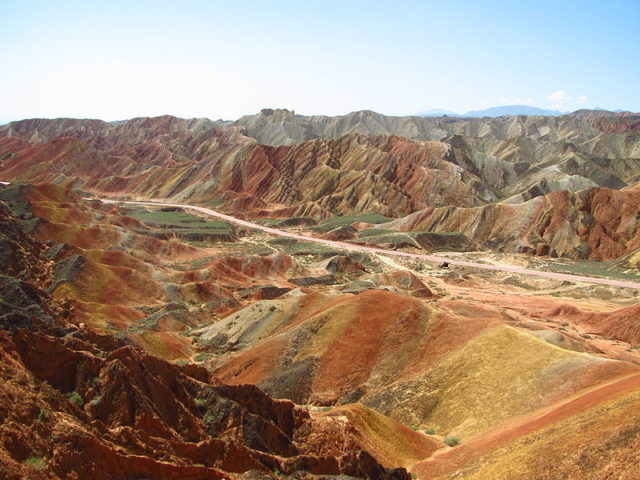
(428, 258)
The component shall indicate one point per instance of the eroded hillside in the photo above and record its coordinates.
(161, 342)
(360, 162)
(143, 340)
(80, 401)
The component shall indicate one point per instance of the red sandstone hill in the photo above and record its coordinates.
(598, 223)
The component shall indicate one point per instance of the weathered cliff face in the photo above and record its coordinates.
(75, 404)
(386, 174)
(598, 223)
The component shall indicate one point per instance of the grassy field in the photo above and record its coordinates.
(285, 222)
(590, 268)
(382, 237)
(371, 232)
(335, 222)
(311, 248)
(179, 221)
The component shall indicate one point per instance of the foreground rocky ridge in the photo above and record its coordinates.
(77, 404)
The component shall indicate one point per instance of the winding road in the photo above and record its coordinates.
(417, 256)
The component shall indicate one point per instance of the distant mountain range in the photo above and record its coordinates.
(494, 112)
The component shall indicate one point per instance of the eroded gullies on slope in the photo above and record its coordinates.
(451, 353)
(77, 404)
(509, 365)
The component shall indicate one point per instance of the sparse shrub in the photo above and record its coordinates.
(43, 415)
(208, 418)
(96, 400)
(565, 324)
(452, 441)
(202, 357)
(430, 431)
(182, 363)
(414, 475)
(35, 462)
(76, 398)
(414, 427)
(200, 402)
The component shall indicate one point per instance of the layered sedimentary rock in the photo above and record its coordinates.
(77, 404)
(340, 164)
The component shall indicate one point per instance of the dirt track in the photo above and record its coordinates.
(350, 246)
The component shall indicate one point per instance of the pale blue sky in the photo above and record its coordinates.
(120, 59)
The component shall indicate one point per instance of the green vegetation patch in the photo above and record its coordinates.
(385, 238)
(214, 202)
(172, 222)
(590, 268)
(43, 415)
(373, 232)
(35, 462)
(311, 248)
(452, 441)
(335, 222)
(270, 222)
(76, 398)
(177, 219)
(433, 242)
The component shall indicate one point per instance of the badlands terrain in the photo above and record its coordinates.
(142, 338)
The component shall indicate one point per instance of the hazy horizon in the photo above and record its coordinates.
(417, 114)
(116, 61)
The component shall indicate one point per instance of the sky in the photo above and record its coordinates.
(223, 59)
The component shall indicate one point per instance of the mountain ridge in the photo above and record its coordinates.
(499, 111)
(461, 170)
